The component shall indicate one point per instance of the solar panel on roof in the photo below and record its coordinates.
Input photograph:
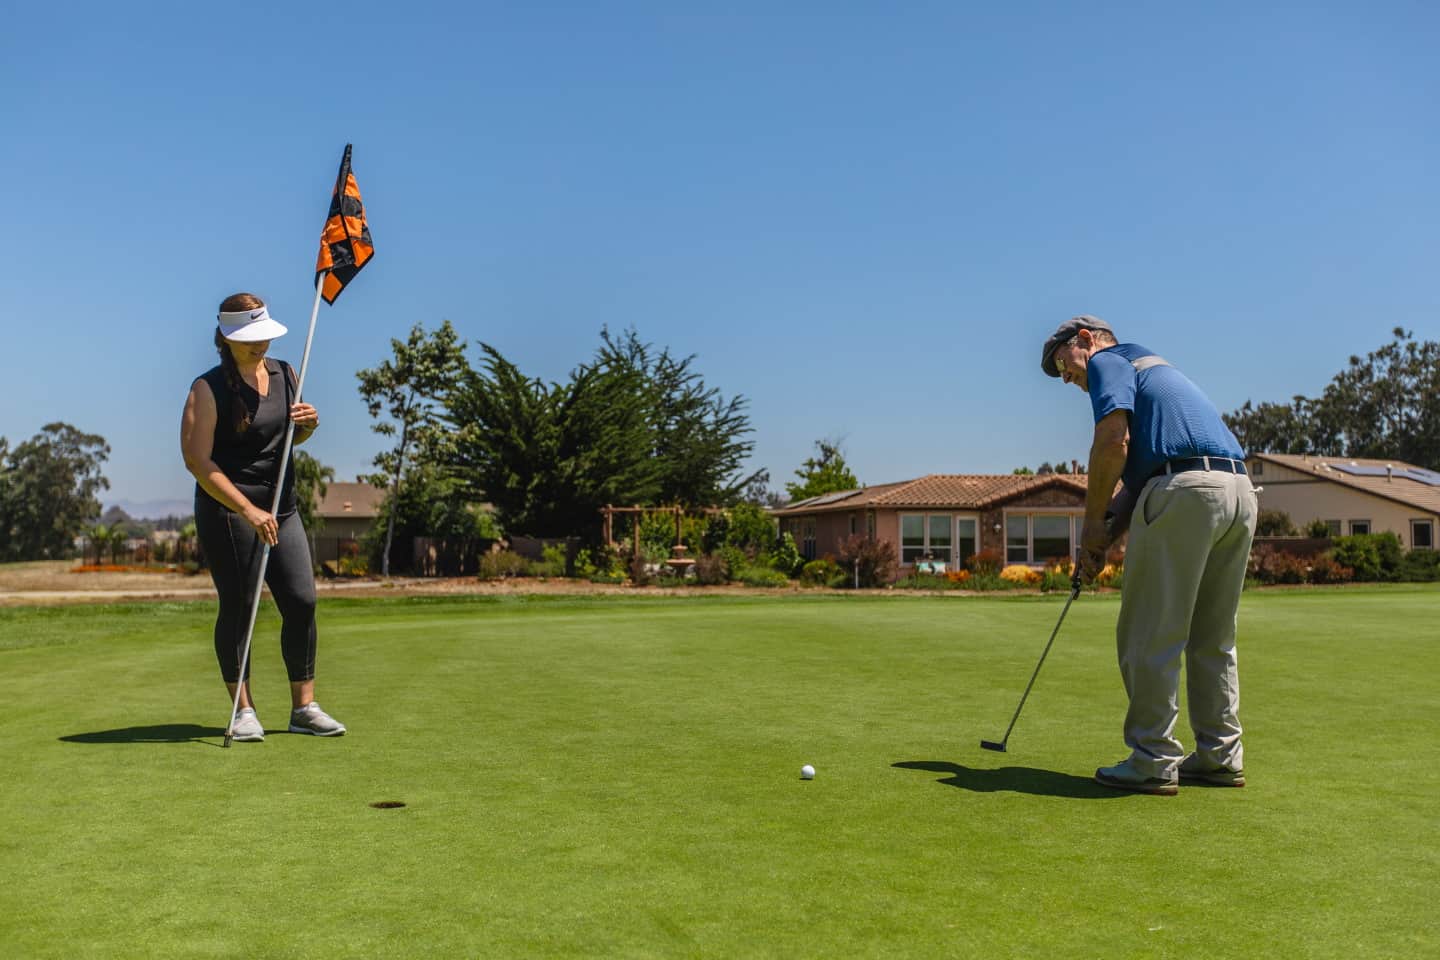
(1419, 475)
(831, 498)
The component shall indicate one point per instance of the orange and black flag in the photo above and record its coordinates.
(345, 244)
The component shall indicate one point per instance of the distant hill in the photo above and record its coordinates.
(154, 509)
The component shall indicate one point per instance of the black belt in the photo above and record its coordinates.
(1223, 464)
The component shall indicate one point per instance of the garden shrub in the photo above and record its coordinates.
(711, 570)
(785, 555)
(875, 560)
(1360, 553)
(1274, 523)
(608, 576)
(1392, 555)
(821, 573)
(1420, 564)
(717, 529)
(985, 562)
(758, 576)
(1021, 575)
(925, 581)
(734, 559)
(1055, 578)
(501, 564)
(1276, 566)
(1111, 575)
(550, 564)
(1325, 569)
(750, 528)
(1317, 528)
(958, 577)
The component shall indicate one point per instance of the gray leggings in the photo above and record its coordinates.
(233, 552)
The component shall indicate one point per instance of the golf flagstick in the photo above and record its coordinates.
(1074, 592)
(274, 506)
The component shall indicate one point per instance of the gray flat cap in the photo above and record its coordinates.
(1062, 335)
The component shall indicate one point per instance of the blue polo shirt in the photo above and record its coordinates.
(1169, 416)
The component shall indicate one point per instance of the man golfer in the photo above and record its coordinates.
(1190, 509)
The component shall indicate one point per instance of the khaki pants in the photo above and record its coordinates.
(1184, 570)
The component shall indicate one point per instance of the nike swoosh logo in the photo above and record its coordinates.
(256, 314)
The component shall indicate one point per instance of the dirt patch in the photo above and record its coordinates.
(54, 582)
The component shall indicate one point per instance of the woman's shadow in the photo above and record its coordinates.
(156, 733)
(1046, 783)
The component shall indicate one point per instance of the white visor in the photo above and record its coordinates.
(247, 326)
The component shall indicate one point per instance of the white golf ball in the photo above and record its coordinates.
(807, 772)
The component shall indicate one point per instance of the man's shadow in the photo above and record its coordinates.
(1046, 783)
(156, 733)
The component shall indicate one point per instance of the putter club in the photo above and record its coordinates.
(1074, 592)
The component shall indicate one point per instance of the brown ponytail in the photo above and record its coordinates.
(239, 412)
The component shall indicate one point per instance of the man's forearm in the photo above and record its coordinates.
(1107, 463)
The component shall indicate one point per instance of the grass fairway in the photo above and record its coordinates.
(620, 777)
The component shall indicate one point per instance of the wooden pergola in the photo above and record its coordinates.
(609, 513)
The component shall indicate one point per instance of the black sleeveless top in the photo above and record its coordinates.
(251, 459)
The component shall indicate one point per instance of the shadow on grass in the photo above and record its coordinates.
(1045, 783)
(158, 733)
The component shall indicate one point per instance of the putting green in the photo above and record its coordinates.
(621, 777)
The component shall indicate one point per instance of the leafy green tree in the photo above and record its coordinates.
(750, 529)
(634, 426)
(697, 435)
(1274, 523)
(1385, 405)
(48, 488)
(99, 538)
(826, 473)
(430, 503)
(312, 479)
(408, 389)
(548, 456)
(1022, 472)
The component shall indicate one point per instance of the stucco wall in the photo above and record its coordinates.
(1305, 498)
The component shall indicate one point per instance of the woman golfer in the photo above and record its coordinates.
(231, 435)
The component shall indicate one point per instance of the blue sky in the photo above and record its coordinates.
(863, 217)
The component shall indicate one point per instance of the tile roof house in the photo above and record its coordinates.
(946, 518)
(1351, 495)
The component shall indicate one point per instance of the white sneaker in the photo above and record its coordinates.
(247, 727)
(311, 719)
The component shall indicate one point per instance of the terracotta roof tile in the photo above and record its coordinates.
(947, 490)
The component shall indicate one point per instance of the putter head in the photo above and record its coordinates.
(992, 745)
(228, 737)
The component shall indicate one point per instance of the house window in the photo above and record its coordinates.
(1333, 527)
(1052, 537)
(807, 538)
(1017, 538)
(1422, 535)
(1256, 468)
(852, 524)
(1035, 538)
(940, 532)
(925, 536)
(966, 529)
(870, 524)
(1359, 526)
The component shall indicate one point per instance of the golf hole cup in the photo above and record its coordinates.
(807, 772)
